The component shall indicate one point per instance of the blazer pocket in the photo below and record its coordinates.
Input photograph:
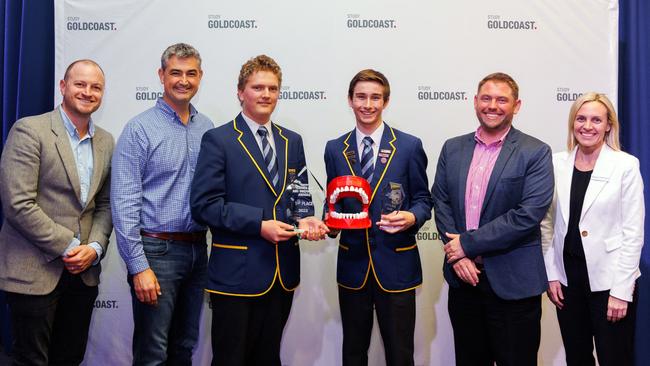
(228, 264)
(226, 246)
(403, 249)
(510, 188)
(512, 180)
(613, 243)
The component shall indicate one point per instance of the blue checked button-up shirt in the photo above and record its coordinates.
(82, 150)
(152, 169)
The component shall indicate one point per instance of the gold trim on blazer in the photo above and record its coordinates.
(345, 156)
(403, 249)
(371, 264)
(277, 274)
(226, 246)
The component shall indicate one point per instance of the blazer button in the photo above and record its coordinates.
(584, 233)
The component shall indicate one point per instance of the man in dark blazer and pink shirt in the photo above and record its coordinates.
(492, 188)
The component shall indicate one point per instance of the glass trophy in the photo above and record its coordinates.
(392, 198)
(299, 197)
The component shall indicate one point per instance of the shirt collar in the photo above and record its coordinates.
(375, 135)
(166, 108)
(72, 129)
(254, 126)
(499, 142)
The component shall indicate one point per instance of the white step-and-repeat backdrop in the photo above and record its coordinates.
(434, 52)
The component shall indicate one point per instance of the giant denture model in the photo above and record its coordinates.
(348, 186)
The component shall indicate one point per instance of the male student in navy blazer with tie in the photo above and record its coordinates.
(380, 266)
(240, 191)
(492, 189)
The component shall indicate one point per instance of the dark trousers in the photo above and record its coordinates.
(52, 329)
(583, 322)
(247, 331)
(396, 318)
(489, 329)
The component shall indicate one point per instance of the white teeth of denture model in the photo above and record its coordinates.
(360, 215)
(364, 197)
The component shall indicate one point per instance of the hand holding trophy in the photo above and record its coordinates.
(392, 219)
(300, 209)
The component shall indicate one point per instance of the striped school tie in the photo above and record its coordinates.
(269, 156)
(367, 159)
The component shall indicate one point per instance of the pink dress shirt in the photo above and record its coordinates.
(480, 170)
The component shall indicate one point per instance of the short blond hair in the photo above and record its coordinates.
(258, 63)
(611, 136)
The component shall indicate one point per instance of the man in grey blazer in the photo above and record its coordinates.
(54, 188)
(492, 188)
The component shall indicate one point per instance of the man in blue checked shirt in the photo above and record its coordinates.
(163, 248)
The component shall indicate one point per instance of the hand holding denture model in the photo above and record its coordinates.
(348, 186)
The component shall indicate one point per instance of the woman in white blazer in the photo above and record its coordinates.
(593, 235)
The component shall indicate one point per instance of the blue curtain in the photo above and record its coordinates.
(634, 111)
(27, 77)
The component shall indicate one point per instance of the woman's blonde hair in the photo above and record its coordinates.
(611, 136)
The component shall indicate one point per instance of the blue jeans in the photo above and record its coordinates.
(166, 334)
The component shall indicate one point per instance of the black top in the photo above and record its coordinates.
(572, 240)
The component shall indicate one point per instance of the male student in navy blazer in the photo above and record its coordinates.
(492, 189)
(240, 191)
(380, 266)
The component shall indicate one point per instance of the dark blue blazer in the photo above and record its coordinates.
(232, 193)
(392, 258)
(519, 192)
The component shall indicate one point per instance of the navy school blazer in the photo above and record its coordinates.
(233, 193)
(393, 259)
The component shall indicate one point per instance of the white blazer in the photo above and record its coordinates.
(611, 222)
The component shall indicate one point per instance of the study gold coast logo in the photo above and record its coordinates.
(220, 22)
(105, 304)
(497, 22)
(357, 21)
(427, 233)
(75, 23)
(564, 94)
(287, 93)
(145, 93)
(429, 93)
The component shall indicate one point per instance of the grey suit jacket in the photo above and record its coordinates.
(40, 194)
